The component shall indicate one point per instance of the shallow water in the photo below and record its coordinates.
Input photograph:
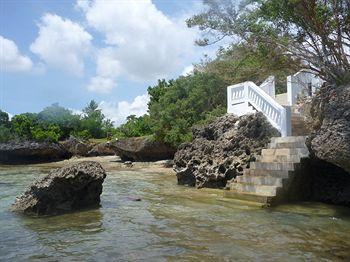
(170, 223)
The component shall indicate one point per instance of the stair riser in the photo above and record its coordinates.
(301, 152)
(288, 139)
(261, 180)
(255, 189)
(272, 166)
(290, 158)
(287, 145)
(262, 172)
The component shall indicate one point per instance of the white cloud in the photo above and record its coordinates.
(188, 70)
(10, 58)
(119, 111)
(100, 84)
(145, 43)
(62, 43)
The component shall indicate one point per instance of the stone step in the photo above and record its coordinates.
(250, 197)
(287, 145)
(264, 172)
(301, 152)
(261, 180)
(288, 139)
(279, 158)
(264, 190)
(272, 166)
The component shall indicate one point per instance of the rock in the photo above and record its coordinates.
(102, 149)
(221, 150)
(142, 149)
(63, 190)
(330, 117)
(128, 164)
(76, 147)
(26, 152)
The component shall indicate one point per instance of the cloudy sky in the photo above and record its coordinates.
(108, 50)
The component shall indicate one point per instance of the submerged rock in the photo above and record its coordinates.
(330, 118)
(26, 152)
(142, 149)
(65, 189)
(221, 150)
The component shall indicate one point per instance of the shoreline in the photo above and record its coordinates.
(109, 163)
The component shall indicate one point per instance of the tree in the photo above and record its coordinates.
(4, 119)
(177, 105)
(315, 31)
(135, 127)
(61, 117)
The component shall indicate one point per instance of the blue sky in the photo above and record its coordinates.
(73, 51)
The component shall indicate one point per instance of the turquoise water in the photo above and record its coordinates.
(170, 223)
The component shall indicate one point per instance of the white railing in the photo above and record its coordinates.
(269, 86)
(303, 83)
(242, 97)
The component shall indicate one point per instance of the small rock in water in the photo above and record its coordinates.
(134, 198)
(128, 163)
(63, 190)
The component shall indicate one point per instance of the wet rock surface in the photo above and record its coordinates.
(222, 150)
(142, 149)
(330, 116)
(27, 152)
(66, 189)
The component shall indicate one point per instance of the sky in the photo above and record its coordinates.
(111, 51)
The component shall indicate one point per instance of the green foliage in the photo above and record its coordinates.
(61, 117)
(94, 121)
(5, 134)
(22, 125)
(135, 127)
(50, 134)
(177, 105)
(4, 119)
(83, 134)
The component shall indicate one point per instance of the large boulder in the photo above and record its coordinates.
(330, 117)
(63, 190)
(142, 149)
(26, 152)
(102, 149)
(222, 150)
(76, 147)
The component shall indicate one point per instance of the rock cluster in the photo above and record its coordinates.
(222, 150)
(142, 149)
(330, 117)
(63, 190)
(23, 152)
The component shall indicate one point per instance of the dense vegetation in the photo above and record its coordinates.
(55, 123)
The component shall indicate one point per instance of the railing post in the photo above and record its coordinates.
(286, 126)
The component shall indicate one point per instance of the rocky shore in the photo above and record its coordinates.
(221, 150)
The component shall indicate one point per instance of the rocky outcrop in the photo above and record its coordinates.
(63, 190)
(26, 152)
(142, 149)
(330, 118)
(102, 149)
(76, 147)
(221, 150)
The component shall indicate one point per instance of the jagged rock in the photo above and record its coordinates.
(142, 149)
(330, 116)
(221, 150)
(102, 149)
(76, 147)
(63, 190)
(26, 152)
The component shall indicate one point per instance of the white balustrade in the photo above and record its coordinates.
(243, 97)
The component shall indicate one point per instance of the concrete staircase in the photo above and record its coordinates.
(269, 179)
